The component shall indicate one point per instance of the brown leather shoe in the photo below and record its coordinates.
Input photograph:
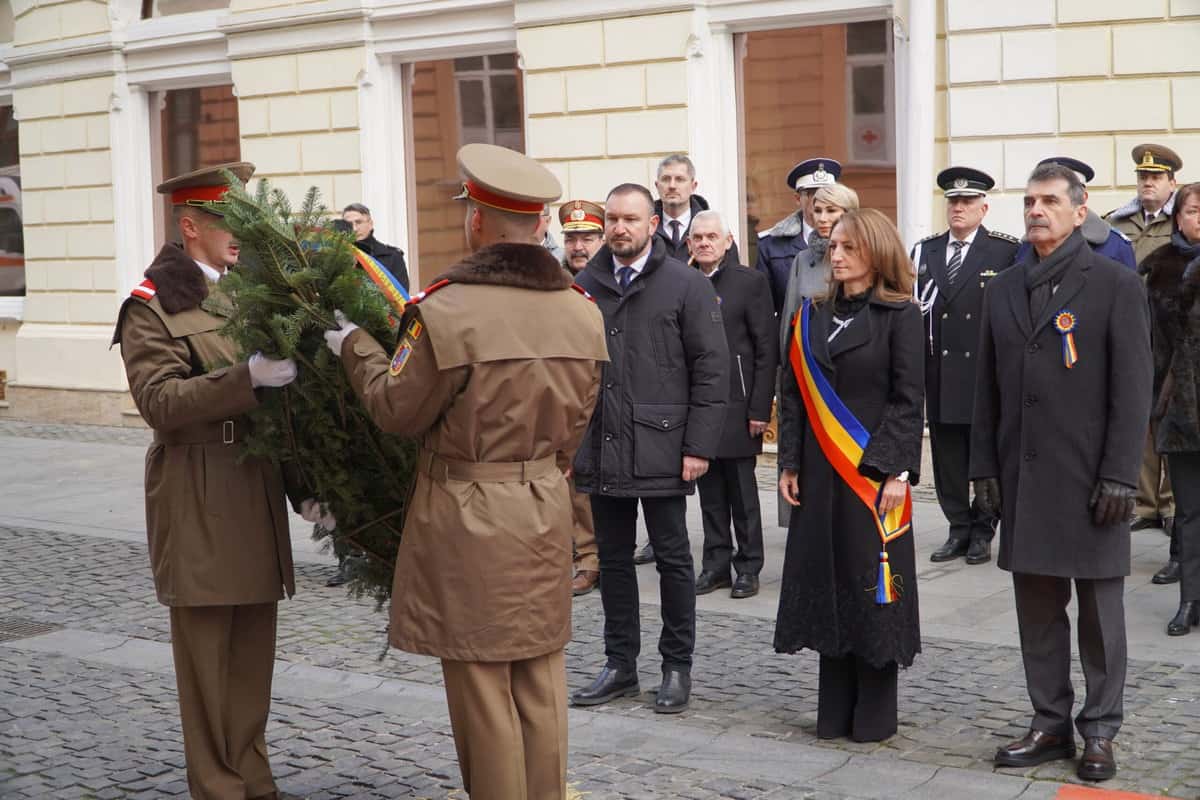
(1097, 763)
(585, 581)
(1035, 748)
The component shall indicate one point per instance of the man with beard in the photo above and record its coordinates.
(657, 425)
(1062, 404)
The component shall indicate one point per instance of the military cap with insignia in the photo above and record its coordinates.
(814, 173)
(207, 185)
(581, 215)
(964, 182)
(505, 179)
(1080, 168)
(1156, 158)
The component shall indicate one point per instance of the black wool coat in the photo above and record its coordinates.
(390, 257)
(952, 321)
(1050, 433)
(663, 234)
(831, 563)
(663, 392)
(1175, 319)
(751, 333)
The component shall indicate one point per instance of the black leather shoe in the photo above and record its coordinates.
(1187, 616)
(609, 685)
(952, 549)
(979, 552)
(340, 577)
(1144, 524)
(1035, 748)
(675, 692)
(710, 581)
(744, 586)
(645, 555)
(1168, 574)
(1097, 762)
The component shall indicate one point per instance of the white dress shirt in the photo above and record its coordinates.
(966, 245)
(684, 220)
(637, 266)
(210, 272)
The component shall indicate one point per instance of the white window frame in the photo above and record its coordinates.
(887, 60)
(485, 76)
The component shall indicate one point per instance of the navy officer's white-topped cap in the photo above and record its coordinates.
(814, 173)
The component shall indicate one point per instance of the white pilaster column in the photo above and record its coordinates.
(916, 92)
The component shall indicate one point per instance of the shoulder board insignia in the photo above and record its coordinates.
(764, 234)
(582, 291)
(1006, 237)
(428, 290)
(144, 290)
(930, 237)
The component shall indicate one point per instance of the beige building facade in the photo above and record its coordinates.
(369, 101)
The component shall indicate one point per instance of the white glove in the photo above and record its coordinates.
(271, 371)
(335, 338)
(317, 514)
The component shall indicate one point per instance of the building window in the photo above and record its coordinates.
(197, 128)
(12, 234)
(167, 8)
(456, 102)
(6, 22)
(870, 128)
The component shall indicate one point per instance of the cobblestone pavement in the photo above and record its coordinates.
(106, 434)
(73, 729)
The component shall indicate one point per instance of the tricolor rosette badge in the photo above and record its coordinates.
(1065, 324)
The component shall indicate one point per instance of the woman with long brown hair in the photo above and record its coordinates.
(850, 445)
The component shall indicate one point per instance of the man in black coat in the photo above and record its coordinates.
(953, 270)
(678, 203)
(729, 490)
(656, 426)
(1062, 406)
(359, 217)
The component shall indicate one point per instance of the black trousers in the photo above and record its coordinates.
(856, 699)
(1045, 631)
(616, 535)
(729, 491)
(951, 449)
(1185, 536)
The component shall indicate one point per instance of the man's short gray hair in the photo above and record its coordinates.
(357, 208)
(676, 158)
(1076, 191)
(705, 216)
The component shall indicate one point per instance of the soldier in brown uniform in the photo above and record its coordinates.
(497, 371)
(217, 525)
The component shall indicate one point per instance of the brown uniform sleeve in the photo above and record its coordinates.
(405, 397)
(159, 370)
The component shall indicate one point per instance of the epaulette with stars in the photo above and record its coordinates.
(1004, 236)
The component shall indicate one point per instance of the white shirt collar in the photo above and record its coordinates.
(684, 220)
(209, 272)
(637, 266)
(806, 230)
(968, 241)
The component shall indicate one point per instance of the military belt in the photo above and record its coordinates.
(444, 469)
(224, 432)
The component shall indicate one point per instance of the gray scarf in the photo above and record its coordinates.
(1042, 275)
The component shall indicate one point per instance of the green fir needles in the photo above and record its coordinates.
(293, 271)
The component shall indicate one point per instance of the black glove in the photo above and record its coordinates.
(987, 496)
(1111, 503)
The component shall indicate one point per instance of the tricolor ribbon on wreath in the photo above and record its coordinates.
(843, 440)
(392, 289)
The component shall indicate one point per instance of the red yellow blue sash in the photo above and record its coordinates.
(843, 440)
(392, 289)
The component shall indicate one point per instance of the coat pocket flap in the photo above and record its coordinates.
(660, 416)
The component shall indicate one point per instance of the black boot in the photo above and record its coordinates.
(1168, 574)
(952, 549)
(609, 685)
(1187, 616)
(980, 551)
(675, 692)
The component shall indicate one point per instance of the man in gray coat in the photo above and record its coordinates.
(1061, 409)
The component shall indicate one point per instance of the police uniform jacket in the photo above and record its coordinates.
(952, 313)
(496, 373)
(1102, 237)
(778, 247)
(1049, 433)
(217, 524)
(1130, 220)
(665, 388)
(752, 335)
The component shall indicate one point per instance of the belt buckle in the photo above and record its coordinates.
(227, 432)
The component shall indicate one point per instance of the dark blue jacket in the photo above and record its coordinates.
(1103, 239)
(777, 248)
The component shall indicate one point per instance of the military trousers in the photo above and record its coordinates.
(509, 720)
(224, 661)
(1154, 498)
(1045, 632)
(583, 534)
(950, 446)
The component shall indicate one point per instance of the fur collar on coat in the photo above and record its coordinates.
(522, 266)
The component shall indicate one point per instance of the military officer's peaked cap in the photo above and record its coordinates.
(964, 182)
(581, 215)
(204, 185)
(1080, 168)
(1156, 158)
(814, 173)
(504, 179)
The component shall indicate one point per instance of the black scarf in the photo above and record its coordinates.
(1042, 275)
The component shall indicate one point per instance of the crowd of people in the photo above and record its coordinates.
(557, 393)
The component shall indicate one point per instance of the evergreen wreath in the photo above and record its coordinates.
(293, 270)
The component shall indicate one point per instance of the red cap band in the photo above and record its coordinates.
(502, 202)
(197, 194)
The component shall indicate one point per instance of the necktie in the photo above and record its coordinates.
(624, 276)
(675, 232)
(955, 262)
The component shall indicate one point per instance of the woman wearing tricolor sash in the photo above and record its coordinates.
(850, 429)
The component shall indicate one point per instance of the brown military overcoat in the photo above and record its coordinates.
(497, 373)
(1129, 220)
(217, 528)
